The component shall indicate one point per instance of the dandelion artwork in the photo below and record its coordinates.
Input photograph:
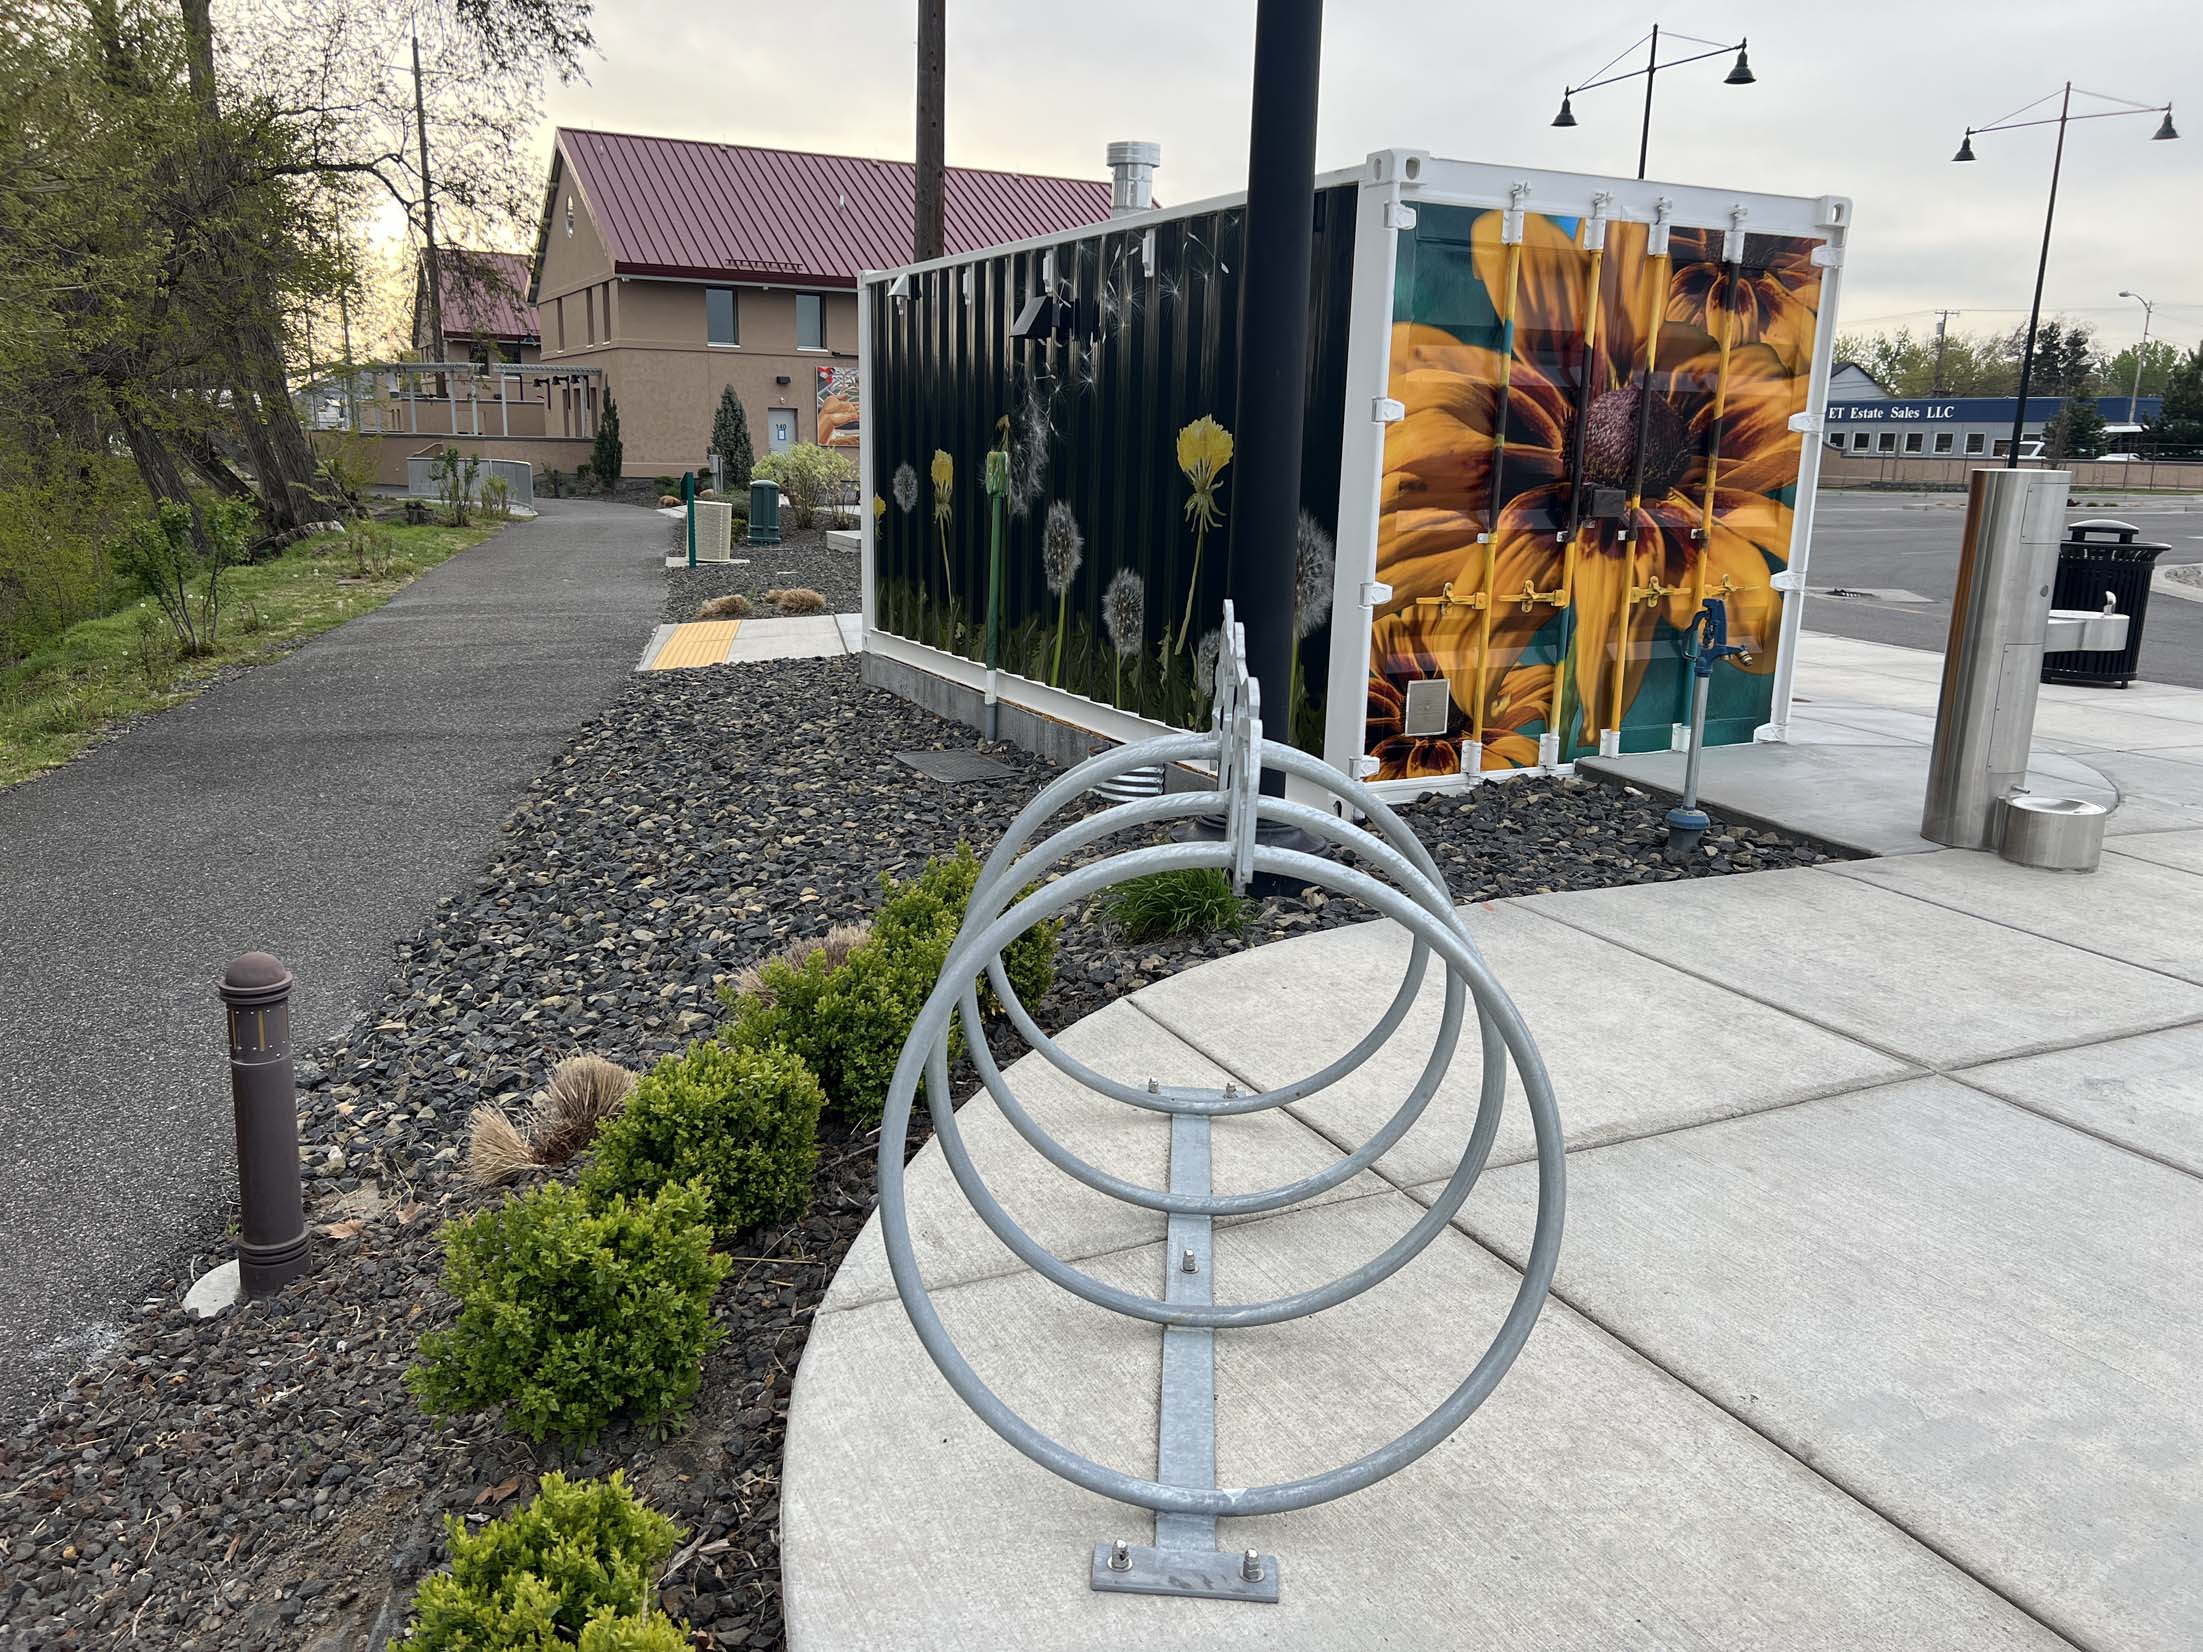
(1205, 653)
(1061, 548)
(1204, 449)
(944, 498)
(1315, 558)
(879, 507)
(1124, 617)
(906, 488)
(1035, 425)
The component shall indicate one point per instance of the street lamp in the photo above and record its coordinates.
(2064, 116)
(2141, 352)
(1740, 74)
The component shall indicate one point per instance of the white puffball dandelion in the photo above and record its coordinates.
(1314, 560)
(906, 487)
(1062, 547)
(1124, 612)
(1204, 662)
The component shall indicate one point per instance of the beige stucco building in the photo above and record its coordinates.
(680, 268)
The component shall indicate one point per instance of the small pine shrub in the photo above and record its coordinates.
(741, 1124)
(1193, 900)
(577, 1564)
(734, 605)
(572, 1312)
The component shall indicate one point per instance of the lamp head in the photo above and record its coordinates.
(1567, 116)
(1741, 74)
(2164, 132)
(1966, 149)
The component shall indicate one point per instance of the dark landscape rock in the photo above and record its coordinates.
(801, 559)
(264, 1480)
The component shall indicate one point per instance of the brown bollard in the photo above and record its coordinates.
(271, 1244)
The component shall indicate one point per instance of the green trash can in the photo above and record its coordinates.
(764, 512)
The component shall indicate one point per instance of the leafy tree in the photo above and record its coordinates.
(1973, 365)
(730, 439)
(2179, 427)
(2066, 359)
(2077, 432)
(2157, 360)
(607, 460)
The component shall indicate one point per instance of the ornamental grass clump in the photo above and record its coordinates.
(739, 1124)
(1191, 900)
(797, 599)
(734, 605)
(576, 1565)
(572, 1312)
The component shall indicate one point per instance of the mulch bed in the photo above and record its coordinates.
(263, 1480)
(802, 559)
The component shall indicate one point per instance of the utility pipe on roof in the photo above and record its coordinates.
(1132, 167)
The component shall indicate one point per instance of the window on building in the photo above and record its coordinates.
(810, 321)
(558, 315)
(1943, 441)
(569, 215)
(719, 317)
(589, 308)
(1976, 441)
(1858, 441)
(1914, 440)
(1886, 442)
(609, 288)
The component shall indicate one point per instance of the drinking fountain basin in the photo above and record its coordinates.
(2083, 630)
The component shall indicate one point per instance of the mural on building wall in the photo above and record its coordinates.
(1594, 441)
(1112, 443)
(839, 407)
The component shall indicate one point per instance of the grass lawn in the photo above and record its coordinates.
(61, 699)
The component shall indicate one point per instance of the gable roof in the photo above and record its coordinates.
(484, 295)
(1854, 367)
(680, 207)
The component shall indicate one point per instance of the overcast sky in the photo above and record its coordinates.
(1867, 98)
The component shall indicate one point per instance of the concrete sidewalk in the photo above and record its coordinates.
(316, 807)
(1874, 1327)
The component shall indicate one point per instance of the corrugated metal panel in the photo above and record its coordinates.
(675, 206)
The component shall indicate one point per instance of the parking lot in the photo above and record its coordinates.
(1899, 553)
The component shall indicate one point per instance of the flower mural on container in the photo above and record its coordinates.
(1029, 446)
(1205, 654)
(1204, 449)
(1062, 547)
(1124, 617)
(906, 488)
(944, 500)
(879, 507)
(1315, 561)
(1688, 466)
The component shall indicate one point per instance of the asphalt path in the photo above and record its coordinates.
(316, 807)
(1909, 542)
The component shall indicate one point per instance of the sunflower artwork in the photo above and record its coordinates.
(1596, 438)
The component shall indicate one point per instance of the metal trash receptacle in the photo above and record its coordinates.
(764, 512)
(2097, 558)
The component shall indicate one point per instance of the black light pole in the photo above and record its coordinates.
(2065, 116)
(1740, 74)
(1273, 345)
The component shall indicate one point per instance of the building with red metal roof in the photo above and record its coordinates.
(485, 306)
(682, 267)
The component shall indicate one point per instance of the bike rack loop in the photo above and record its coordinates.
(1187, 1502)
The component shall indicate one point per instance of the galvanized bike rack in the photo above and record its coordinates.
(1187, 1502)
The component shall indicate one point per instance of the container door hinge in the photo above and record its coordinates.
(1785, 581)
(1656, 238)
(1399, 215)
(1375, 591)
(1732, 243)
(1387, 411)
(1828, 256)
(1806, 424)
(1364, 767)
(1510, 227)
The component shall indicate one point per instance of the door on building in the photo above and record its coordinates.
(780, 425)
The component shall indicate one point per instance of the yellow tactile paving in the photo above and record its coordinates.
(701, 642)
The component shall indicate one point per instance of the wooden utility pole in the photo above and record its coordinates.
(926, 239)
(428, 217)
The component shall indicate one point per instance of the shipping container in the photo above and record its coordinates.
(1548, 415)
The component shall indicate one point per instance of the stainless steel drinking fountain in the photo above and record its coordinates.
(2001, 626)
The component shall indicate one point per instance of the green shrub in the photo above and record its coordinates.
(811, 476)
(576, 1565)
(608, 457)
(849, 1022)
(730, 439)
(740, 1123)
(1195, 900)
(571, 1312)
(497, 499)
(177, 560)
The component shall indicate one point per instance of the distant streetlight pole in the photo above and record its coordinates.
(2062, 119)
(2141, 351)
(1740, 74)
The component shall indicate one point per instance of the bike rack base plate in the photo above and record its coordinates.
(1206, 1574)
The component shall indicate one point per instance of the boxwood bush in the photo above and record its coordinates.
(575, 1565)
(849, 1023)
(742, 1124)
(572, 1312)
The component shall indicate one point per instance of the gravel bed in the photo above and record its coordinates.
(263, 1480)
(802, 558)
